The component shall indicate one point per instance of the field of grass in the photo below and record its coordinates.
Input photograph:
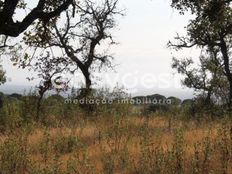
(120, 145)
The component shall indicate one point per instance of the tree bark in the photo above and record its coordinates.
(230, 96)
(88, 82)
(39, 102)
(1, 102)
(228, 73)
(10, 28)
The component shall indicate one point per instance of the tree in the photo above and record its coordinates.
(70, 44)
(44, 11)
(78, 39)
(2, 76)
(2, 80)
(49, 72)
(208, 79)
(211, 29)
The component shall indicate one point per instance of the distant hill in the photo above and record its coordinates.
(20, 89)
(154, 96)
(23, 89)
(158, 97)
(175, 100)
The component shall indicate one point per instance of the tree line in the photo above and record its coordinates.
(58, 37)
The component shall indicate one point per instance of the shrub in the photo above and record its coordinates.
(28, 107)
(67, 144)
(14, 155)
(10, 114)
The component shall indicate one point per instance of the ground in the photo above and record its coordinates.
(115, 144)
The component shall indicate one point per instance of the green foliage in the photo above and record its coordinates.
(175, 101)
(118, 148)
(28, 107)
(14, 155)
(10, 114)
(67, 144)
(2, 75)
(209, 30)
(17, 111)
(54, 105)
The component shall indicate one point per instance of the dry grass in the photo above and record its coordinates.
(124, 145)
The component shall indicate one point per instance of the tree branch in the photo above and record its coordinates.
(13, 29)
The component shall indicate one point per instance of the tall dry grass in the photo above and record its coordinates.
(119, 144)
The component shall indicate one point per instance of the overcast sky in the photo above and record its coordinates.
(144, 61)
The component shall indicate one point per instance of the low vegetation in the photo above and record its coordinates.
(117, 138)
(42, 134)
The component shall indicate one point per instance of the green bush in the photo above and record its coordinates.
(10, 114)
(28, 107)
(67, 144)
(14, 155)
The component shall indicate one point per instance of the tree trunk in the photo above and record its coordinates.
(38, 108)
(1, 102)
(88, 83)
(42, 90)
(87, 89)
(230, 96)
(85, 92)
(208, 98)
(224, 51)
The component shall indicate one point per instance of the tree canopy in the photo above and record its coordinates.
(210, 30)
(73, 43)
(44, 11)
